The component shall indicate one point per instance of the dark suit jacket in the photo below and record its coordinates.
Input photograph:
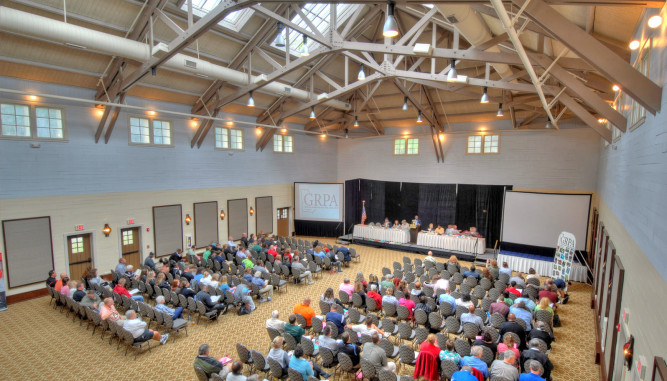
(187, 292)
(204, 297)
(532, 354)
(512, 326)
(538, 334)
(353, 351)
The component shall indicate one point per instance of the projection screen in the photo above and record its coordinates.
(318, 201)
(538, 218)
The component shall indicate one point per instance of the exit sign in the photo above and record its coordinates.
(130, 221)
(78, 227)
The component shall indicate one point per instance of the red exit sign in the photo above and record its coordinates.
(79, 227)
(130, 221)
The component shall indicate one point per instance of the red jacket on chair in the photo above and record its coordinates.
(427, 362)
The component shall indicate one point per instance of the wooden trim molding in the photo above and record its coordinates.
(27, 295)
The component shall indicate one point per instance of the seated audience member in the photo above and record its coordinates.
(439, 230)
(427, 360)
(532, 274)
(366, 328)
(326, 341)
(293, 329)
(505, 368)
(487, 341)
(247, 275)
(447, 297)
(242, 253)
(211, 365)
(265, 289)
(305, 367)
(528, 302)
(386, 283)
(161, 281)
(451, 229)
(512, 326)
(204, 297)
(236, 372)
(187, 291)
(533, 353)
(121, 290)
(91, 277)
(389, 297)
(137, 328)
(244, 239)
(277, 353)
(305, 273)
(242, 295)
(550, 294)
(150, 261)
(305, 310)
(430, 228)
(335, 261)
(79, 293)
(374, 354)
(273, 252)
(408, 303)
(492, 266)
(430, 258)
(470, 317)
(472, 273)
(453, 261)
(535, 372)
(512, 289)
(449, 353)
(319, 252)
(129, 272)
(417, 290)
(247, 264)
(465, 374)
(91, 300)
(505, 269)
(521, 312)
(231, 242)
(64, 289)
(475, 361)
(59, 284)
(545, 304)
(108, 311)
(51, 280)
(464, 301)
(439, 283)
(509, 344)
(328, 297)
(344, 254)
(176, 256)
(260, 267)
(120, 267)
(275, 322)
(359, 289)
(541, 332)
(72, 284)
(372, 293)
(336, 318)
(518, 279)
(174, 313)
(347, 287)
(351, 350)
(499, 307)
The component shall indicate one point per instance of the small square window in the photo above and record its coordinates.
(474, 144)
(288, 144)
(283, 143)
(139, 131)
(128, 237)
(277, 143)
(15, 120)
(221, 138)
(413, 146)
(76, 245)
(399, 146)
(236, 137)
(491, 144)
(161, 132)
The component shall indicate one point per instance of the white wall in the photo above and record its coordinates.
(565, 159)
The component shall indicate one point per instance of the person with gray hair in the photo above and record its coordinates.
(534, 354)
(475, 360)
(535, 372)
(174, 313)
(264, 287)
(297, 265)
(374, 354)
(137, 328)
(543, 333)
(209, 364)
(505, 368)
(275, 322)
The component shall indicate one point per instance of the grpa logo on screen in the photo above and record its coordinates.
(315, 203)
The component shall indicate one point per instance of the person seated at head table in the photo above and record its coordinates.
(386, 223)
(451, 229)
(473, 232)
(430, 228)
(396, 225)
(405, 225)
(440, 230)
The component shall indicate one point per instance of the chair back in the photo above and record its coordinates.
(327, 357)
(273, 333)
(345, 362)
(435, 320)
(371, 305)
(462, 347)
(446, 309)
(421, 333)
(389, 309)
(243, 352)
(301, 320)
(357, 300)
(460, 310)
(276, 369)
(353, 315)
(344, 297)
(368, 369)
(470, 331)
(421, 317)
(497, 320)
(447, 368)
(407, 354)
(307, 346)
(405, 331)
(290, 342)
(493, 332)
(402, 312)
(201, 375)
(388, 326)
(294, 375)
(487, 355)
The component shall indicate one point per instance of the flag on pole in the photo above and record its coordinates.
(363, 213)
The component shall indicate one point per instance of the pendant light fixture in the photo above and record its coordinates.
(356, 122)
(304, 47)
(251, 101)
(390, 25)
(500, 110)
(280, 39)
(347, 135)
(312, 112)
(485, 97)
(451, 75)
(419, 117)
(362, 75)
(405, 103)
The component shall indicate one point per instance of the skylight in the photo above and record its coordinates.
(318, 14)
(233, 21)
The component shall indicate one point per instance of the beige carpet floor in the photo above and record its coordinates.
(40, 343)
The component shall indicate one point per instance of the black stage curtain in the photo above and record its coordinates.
(374, 194)
(392, 201)
(437, 204)
(352, 200)
(409, 201)
(481, 206)
(318, 228)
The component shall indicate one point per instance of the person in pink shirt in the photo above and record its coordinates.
(108, 310)
(509, 343)
(347, 287)
(408, 303)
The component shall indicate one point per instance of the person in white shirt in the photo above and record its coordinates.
(366, 329)
(430, 258)
(275, 322)
(405, 225)
(464, 301)
(438, 283)
(231, 243)
(137, 328)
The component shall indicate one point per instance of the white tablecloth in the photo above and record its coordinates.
(542, 268)
(381, 234)
(456, 243)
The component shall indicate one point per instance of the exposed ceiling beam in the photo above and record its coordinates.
(634, 3)
(585, 116)
(634, 83)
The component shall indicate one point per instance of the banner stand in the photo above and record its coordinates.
(564, 256)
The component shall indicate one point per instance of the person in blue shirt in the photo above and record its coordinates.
(447, 297)
(475, 361)
(305, 367)
(336, 318)
(519, 310)
(465, 374)
(535, 372)
(344, 254)
(529, 303)
(319, 252)
(505, 269)
(472, 272)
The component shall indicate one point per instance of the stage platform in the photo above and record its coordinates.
(412, 248)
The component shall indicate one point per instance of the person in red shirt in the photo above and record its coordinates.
(272, 251)
(428, 359)
(549, 293)
(512, 288)
(374, 295)
(121, 290)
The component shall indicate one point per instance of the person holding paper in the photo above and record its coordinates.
(121, 290)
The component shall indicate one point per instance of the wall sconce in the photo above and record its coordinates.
(106, 230)
(628, 349)
(187, 219)
(222, 214)
(252, 211)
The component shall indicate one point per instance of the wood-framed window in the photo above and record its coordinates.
(150, 131)
(406, 146)
(283, 143)
(229, 138)
(25, 121)
(483, 145)
(637, 113)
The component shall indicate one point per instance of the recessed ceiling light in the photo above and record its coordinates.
(615, 88)
(634, 45)
(654, 21)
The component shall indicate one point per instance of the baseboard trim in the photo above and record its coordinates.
(27, 295)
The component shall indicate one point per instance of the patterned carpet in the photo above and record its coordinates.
(41, 343)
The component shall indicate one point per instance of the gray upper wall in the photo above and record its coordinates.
(633, 171)
(565, 160)
(79, 166)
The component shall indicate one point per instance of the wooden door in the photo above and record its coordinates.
(80, 255)
(131, 246)
(283, 222)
